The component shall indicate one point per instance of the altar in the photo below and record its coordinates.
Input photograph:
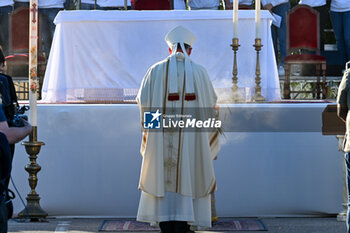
(273, 161)
(102, 56)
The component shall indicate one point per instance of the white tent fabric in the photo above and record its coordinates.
(103, 55)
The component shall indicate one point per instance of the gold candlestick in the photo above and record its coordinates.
(258, 97)
(235, 96)
(33, 209)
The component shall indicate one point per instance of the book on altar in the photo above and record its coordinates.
(276, 20)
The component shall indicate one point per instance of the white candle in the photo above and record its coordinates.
(33, 49)
(235, 18)
(257, 19)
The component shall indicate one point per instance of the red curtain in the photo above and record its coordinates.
(151, 4)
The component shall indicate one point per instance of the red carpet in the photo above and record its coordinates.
(221, 225)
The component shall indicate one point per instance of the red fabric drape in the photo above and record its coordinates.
(303, 28)
(151, 4)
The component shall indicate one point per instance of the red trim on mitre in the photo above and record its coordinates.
(173, 96)
(190, 96)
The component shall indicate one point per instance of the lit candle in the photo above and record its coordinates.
(33, 49)
(257, 19)
(235, 18)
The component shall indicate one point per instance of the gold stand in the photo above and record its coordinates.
(33, 209)
(258, 97)
(235, 96)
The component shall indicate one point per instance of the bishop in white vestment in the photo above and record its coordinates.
(177, 175)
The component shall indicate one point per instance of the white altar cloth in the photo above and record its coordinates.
(103, 55)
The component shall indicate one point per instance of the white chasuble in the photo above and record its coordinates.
(177, 174)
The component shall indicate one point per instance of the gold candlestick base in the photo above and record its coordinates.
(258, 97)
(33, 209)
(235, 97)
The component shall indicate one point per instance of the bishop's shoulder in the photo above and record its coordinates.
(159, 64)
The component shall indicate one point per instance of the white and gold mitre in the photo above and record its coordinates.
(179, 34)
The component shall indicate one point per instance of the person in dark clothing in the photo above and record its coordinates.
(5, 173)
(8, 136)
